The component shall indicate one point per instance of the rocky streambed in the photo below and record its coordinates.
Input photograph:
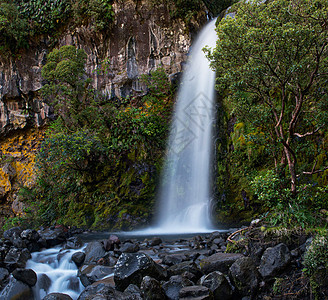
(117, 267)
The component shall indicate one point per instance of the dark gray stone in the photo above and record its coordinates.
(78, 258)
(93, 252)
(16, 290)
(218, 262)
(186, 266)
(91, 273)
(274, 259)
(198, 292)
(30, 235)
(129, 247)
(53, 237)
(174, 285)
(4, 273)
(73, 242)
(27, 276)
(111, 242)
(132, 267)
(174, 258)
(44, 282)
(57, 296)
(16, 258)
(155, 241)
(218, 284)
(103, 291)
(151, 289)
(11, 233)
(244, 275)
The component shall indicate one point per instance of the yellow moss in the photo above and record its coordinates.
(5, 184)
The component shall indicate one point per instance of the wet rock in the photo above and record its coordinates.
(78, 258)
(16, 290)
(174, 285)
(219, 262)
(91, 273)
(186, 266)
(111, 242)
(155, 241)
(101, 291)
(274, 259)
(93, 252)
(244, 275)
(218, 284)
(57, 296)
(151, 289)
(134, 291)
(172, 259)
(198, 292)
(108, 260)
(53, 236)
(73, 242)
(12, 233)
(132, 267)
(44, 282)
(16, 258)
(3, 276)
(129, 247)
(27, 276)
(30, 235)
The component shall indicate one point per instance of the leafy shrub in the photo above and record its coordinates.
(13, 28)
(98, 12)
(316, 256)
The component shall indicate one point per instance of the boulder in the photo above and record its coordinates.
(132, 267)
(30, 235)
(44, 282)
(151, 289)
(78, 258)
(3, 276)
(16, 290)
(134, 291)
(89, 274)
(186, 266)
(218, 284)
(174, 285)
(274, 259)
(53, 236)
(110, 243)
(73, 242)
(244, 275)
(57, 296)
(16, 258)
(129, 247)
(12, 233)
(93, 252)
(27, 276)
(174, 258)
(198, 292)
(218, 262)
(155, 241)
(102, 291)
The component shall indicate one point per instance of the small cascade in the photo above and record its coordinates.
(56, 273)
(185, 195)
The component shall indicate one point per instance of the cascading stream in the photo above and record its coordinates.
(186, 180)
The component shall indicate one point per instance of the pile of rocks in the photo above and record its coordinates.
(194, 268)
(16, 247)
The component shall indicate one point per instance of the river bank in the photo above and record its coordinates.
(252, 263)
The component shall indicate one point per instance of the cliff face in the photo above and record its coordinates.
(142, 37)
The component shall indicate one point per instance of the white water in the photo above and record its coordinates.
(185, 197)
(59, 268)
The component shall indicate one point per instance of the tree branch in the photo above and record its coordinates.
(308, 133)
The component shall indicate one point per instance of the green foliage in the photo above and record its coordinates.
(98, 12)
(98, 165)
(316, 256)
(12, 28)
(44, 16)
(272, 60)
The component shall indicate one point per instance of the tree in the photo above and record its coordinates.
(272, 59)
(67, 83)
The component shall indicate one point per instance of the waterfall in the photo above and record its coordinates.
(184, 195)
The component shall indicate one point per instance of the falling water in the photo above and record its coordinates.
(185, 191)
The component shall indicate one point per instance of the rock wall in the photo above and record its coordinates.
(142, 37)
